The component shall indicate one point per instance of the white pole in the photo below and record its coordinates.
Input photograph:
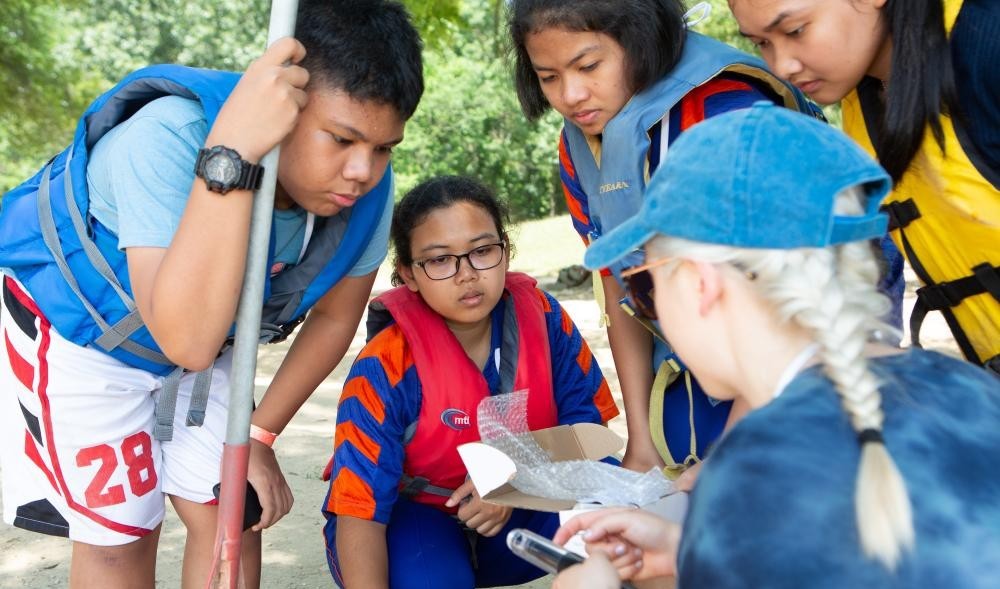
(236, 453)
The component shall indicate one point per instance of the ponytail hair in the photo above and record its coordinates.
(831, 293)
(921, 85)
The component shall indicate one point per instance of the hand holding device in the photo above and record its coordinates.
(540, 551)
(543, 553)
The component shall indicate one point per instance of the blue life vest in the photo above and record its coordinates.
(615, 185)
(71, 264)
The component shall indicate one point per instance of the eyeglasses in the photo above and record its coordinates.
(639, 288)
(445, 266)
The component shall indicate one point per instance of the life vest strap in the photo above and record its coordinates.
(410, 487)
(163, 425)
(90, 249)
(945, 295)
(50, 235)
(509, 349)
(275, 334)
(984, 278)
(901, 213)
(117, 336)
(199, 398)
(166, 404)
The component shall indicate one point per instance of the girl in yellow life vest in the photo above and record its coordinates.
(919, 86)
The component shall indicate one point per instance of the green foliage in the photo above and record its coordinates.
(434, 19)
(469, 122)
(721, 25)
(56, 56)
(42, 86)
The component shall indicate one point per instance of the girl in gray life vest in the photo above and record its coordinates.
(859, 464)
(629, 80)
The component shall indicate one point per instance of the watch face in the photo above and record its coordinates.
(222, 169)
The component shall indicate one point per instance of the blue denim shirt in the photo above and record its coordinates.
(774, 506)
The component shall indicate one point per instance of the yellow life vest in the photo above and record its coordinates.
(945, 217)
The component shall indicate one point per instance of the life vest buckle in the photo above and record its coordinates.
(939, 296)
(412, 486)
(901, 213)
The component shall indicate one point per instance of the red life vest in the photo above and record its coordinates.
(453, 385)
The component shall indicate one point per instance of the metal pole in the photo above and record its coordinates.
(236, 452)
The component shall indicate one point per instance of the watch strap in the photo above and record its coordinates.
(250, 175)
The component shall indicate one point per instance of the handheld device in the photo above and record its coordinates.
(543, 553)
(540, 551)
(252, 509)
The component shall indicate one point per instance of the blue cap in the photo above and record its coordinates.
(762, 177)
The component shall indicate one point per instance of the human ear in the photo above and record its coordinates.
(709, 286)
(405, 272)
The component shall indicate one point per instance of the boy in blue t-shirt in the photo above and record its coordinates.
(172, 186)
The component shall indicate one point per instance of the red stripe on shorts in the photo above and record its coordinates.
(23, 369)
(43, 383)
(31, 450)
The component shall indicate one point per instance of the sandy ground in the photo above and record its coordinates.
(293, 549)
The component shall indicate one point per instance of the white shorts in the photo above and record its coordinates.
(77, 451)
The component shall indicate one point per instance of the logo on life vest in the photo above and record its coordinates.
(456, 419)
(613, 186)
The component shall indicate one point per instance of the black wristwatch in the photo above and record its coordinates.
(223, 170)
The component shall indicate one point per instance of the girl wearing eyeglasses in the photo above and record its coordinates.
(459, 327)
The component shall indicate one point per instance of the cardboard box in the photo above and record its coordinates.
(491, 470)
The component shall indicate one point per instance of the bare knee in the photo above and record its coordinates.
(131, 565)
(199, 551)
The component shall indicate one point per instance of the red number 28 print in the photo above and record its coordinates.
(138, 458)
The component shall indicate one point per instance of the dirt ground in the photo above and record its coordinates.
(293, 549)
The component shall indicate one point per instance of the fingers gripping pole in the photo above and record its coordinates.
(236, 454)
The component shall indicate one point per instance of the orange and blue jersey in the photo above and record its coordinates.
(382, 398)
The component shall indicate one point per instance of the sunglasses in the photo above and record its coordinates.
(639, 286)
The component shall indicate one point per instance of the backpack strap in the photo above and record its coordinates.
(668, 372)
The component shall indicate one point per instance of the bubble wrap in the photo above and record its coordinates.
(503, 424)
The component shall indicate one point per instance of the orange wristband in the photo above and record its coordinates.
(262, 435)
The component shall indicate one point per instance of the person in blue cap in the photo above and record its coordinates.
(859, 464)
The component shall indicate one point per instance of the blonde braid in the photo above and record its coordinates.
(831, 292)
(838, 320)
